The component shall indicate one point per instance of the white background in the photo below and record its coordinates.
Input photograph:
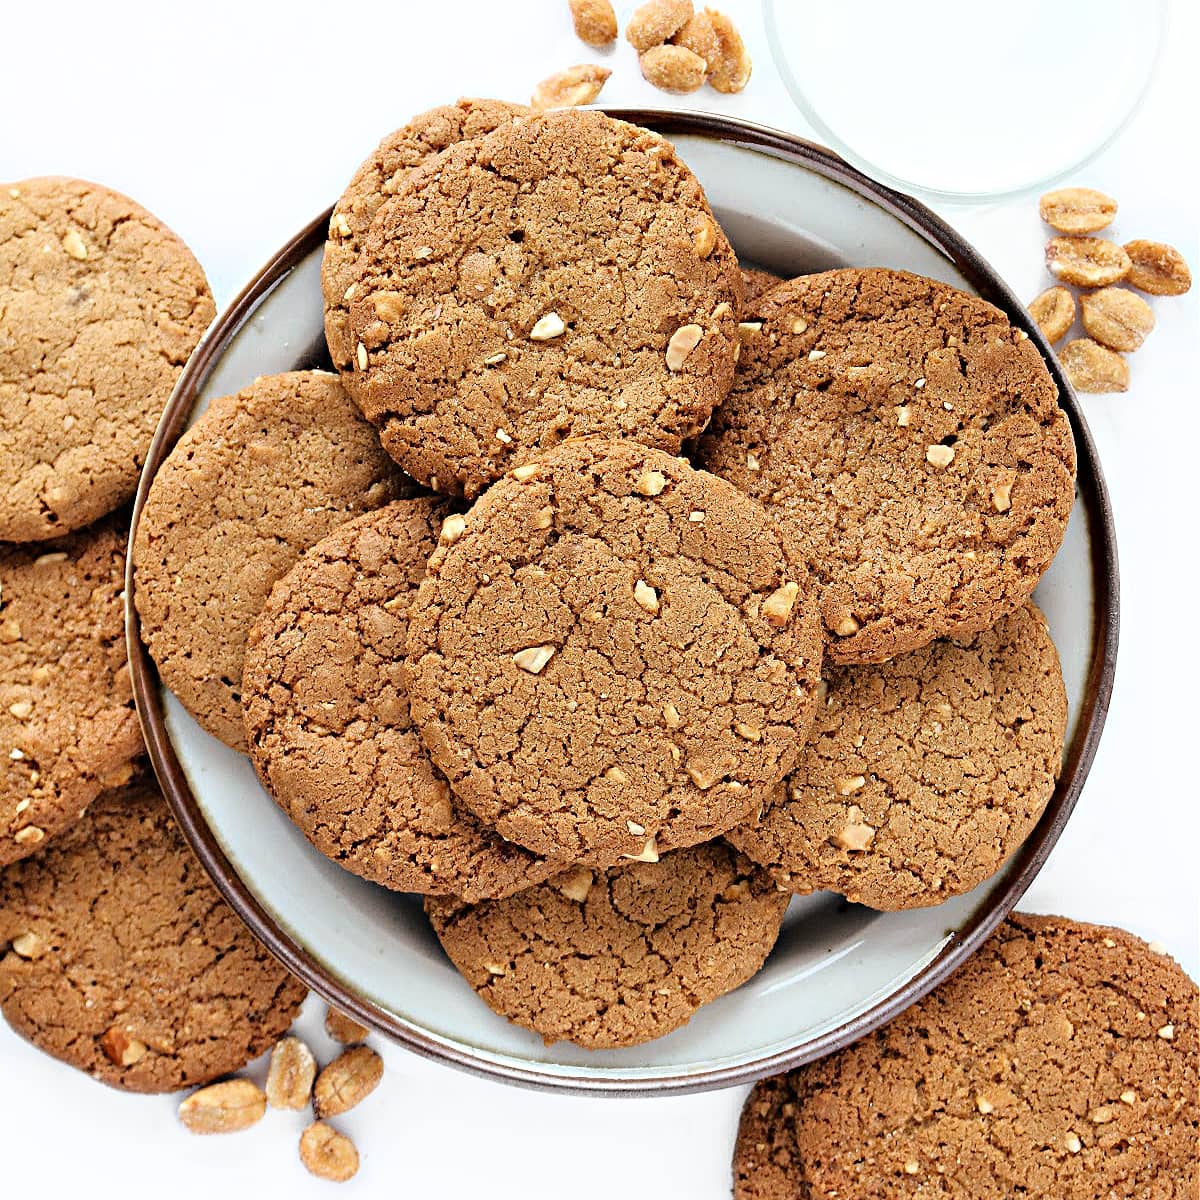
(236, 123)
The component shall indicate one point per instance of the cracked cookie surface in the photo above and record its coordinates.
(921, 775)
(620, 957)
(328, 724)
(911, 439)
(68, 727)
(613, 654)
(1061, 1060)
(559, 277)
(381, 176)
(118, 956)
(101, 305)
(262, 476)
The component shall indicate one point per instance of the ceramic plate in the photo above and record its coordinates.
(838, 970)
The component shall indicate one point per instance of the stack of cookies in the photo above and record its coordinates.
(116, 953)
(607, 594)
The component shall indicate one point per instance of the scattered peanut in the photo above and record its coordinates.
(225, 1107)
(595, 22)
(656, 21)
(1077, 210)
(347, 1081)
(1054, 312)
(1086, 261)
(1117, 318)
(571, 87)
(290, 1075)
(328, 1154)
(1094, 368)
(672, 68)
(730, 71)
(699, 36)
(1157, 268)
(343, 1028)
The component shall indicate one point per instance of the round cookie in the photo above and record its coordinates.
(757, 283)
(619, 957)
(1060, 1061)
(328, 725)
(102, 305)
(118, 956)
(68, 727)
(612, 654)
(911, 440)
(560, 277)
(382, 175)
(261, 476)
(921, 776)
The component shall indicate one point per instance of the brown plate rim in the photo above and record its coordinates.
(962, 943)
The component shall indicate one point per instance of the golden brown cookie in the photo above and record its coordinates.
(118, 956)
(67, 722)
(261, 476)
(101, 304)
(1060, 1061)
(911, 440)
(612, 654)
(381, 176)
(561, 276)
(328, 725)
(617, 958)
(757, 283)
(922, 775)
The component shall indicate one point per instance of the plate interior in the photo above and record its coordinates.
(834, 960)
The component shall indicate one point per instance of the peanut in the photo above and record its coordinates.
(290, 1075)
(571, 87)
(343, 1029)
(1157, 268)
(347, 1081)
(655, 22)
(1077, 210)
(224, 1107)
(595, 22)
(730, 71)
(1117, 318)
(699, 36)
(673, 69)
(1086, 261)
(1094, 368)
(328, 1154)
(1054, 312)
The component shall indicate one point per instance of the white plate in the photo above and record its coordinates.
(838, 970)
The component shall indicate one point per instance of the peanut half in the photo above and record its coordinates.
(343, 1029)
(1086, 261)
(291, 1074)
(226, 1107)
(1117, 318)
(730, 71)
(567, 89)
(1157, 268)
(595, 22)
(1054, 312)
(655, 22)
(673, 68)
(328, 1154)
(347, 1081)
(1077, 210)
(1094, 368)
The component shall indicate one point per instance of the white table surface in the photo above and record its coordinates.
(236, 123)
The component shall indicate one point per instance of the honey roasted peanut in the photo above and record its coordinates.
(1077, 209)
(1094, 368)
(1086, 261)
(1117, 318)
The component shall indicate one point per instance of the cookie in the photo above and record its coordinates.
(922, 775)
(102, 305)
(380, 177)
(1060, 1061)
(911, 440)
(620, 957)
(262, 476)
(68, 727)
(328, 725)
(757, 283)
(612, 654)
(561, 276)
(118, 956)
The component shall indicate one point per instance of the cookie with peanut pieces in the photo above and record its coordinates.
(562, 276)
(119, 957)
(613, 654)
(921, 775)
(380, 177)
(102, 306)
(1061, 1060)
(911, 440)
(327, 716)
(616, 958)
(68, 727)
(261, 476)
